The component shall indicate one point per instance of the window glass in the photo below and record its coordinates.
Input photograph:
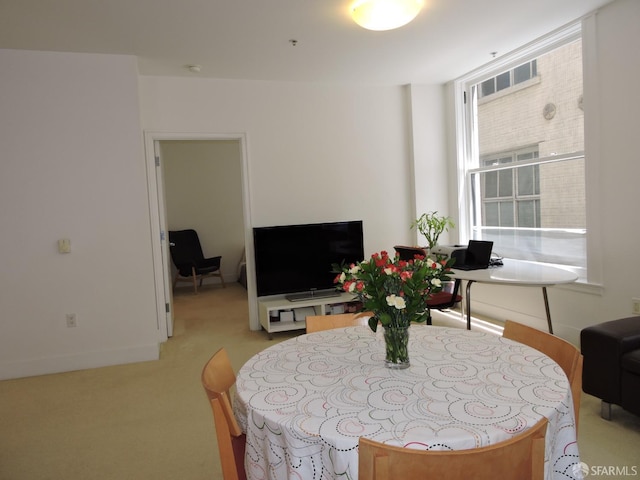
(508, 78)
(529, 168)
(503, 81)
(491, 185)
(488, 87)
(526, 180)
(522, 73)
(506, 214)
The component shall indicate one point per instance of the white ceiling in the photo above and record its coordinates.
(250, 39)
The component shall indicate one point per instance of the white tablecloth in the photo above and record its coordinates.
(305, 402)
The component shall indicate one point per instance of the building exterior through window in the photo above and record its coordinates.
(525, 176)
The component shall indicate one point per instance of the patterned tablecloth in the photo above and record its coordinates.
(305, 402)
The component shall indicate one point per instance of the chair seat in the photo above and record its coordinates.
(442, 298)
(203, 267)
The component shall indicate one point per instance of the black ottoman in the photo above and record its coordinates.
(631, 381)
(611, 370)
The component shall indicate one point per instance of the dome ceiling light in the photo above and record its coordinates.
(385, 14)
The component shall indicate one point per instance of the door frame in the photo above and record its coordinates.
(159, 235)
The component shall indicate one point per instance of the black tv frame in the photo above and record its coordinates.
(296, 260)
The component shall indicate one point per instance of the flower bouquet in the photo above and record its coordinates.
(396, 291)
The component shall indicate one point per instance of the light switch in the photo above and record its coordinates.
(64, 245)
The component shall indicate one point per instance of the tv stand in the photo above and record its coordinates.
(311, 294)
(321, 306)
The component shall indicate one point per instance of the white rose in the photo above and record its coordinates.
(395, 301)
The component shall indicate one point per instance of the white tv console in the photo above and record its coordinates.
(321, 306)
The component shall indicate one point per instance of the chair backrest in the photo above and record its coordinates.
(217, 379)
(316, 323)
(562, 352)
(185, 247)
(409, 253)
(519, 458)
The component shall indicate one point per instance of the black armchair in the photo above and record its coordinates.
(187, 256)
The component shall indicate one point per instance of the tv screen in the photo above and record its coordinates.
(299, 258)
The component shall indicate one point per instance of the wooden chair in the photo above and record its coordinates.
(316, 323)
(519, 458)
(564, 353)
(217, 379)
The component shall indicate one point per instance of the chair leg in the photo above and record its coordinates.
(195, 280)
(222, 281)
(605, 410)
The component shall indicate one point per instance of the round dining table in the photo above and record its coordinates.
(305, 402)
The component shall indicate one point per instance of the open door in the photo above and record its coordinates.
(159, 218)
(164, 238)
(159, 239)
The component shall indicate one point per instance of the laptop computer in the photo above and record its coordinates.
(477, 255)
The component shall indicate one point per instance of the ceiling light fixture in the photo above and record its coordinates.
(385, 14)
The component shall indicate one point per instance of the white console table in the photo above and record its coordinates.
(321, 306)
(516, 273)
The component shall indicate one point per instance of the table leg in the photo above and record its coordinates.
(468, 303)
(546, 309)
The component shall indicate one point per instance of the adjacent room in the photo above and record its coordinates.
(126, 121)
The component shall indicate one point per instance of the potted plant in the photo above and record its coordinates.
(431, 225)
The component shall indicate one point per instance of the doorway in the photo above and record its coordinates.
(174, 159)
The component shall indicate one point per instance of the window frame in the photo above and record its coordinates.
(468, 158)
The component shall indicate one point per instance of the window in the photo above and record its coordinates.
(504, 80)
(510, 196)
(521, 164)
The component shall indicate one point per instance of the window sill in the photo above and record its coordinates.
(583, 287)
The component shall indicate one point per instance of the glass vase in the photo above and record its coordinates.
(396, 341)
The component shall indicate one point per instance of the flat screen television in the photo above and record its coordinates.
(298, 259)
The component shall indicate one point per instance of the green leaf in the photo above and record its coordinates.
(373, 323)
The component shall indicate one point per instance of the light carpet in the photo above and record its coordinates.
(151, 420)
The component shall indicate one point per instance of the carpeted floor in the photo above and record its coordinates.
(151, 420)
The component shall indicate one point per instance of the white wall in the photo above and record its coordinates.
(72, 166)
(315, 153)
(430, 174)
(612, 100)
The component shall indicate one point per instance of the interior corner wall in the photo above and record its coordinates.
(73, 167)
(203, 191)
(430, 160)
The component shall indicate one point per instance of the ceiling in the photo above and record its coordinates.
(251, 39)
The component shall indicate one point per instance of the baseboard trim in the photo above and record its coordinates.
(81, 361)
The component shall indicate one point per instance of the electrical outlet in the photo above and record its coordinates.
(635, 306)
(72, 321)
